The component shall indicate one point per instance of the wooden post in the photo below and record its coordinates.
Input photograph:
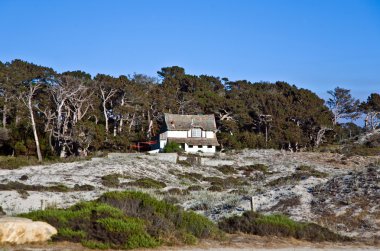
(251, 203)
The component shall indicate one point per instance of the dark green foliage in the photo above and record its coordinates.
(147, 183)
(163, 216)
(191, 176)
(343, 105)
(256, 167)
(194, 188)
(227, 169)
(175, 191)
(277, 225)
(302, 172)
(296, 114)
(16, 162)
(229, 182)
(215, 188)
(361, 150)
(14, 185)
(111, 180)
(126, 220)
(172, 147)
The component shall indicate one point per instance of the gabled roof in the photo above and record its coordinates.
(177, 122)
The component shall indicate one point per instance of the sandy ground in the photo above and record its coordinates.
(238, 242)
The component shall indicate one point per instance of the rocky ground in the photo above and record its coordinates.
(330, 189)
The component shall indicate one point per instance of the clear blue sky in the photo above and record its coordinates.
(314, 44)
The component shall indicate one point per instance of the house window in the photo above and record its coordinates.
(196, 132)
(190, 146)
(200, 146)
(209, 146)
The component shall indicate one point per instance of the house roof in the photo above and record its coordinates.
(195, 141)
(177, 122)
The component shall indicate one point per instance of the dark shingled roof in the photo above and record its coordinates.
(195, 141)
(179, 122)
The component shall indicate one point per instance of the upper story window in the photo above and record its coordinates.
(196, 133)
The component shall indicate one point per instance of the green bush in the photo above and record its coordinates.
(111, 180)
(227, 169)
(194, 188)
(15, 185)
(256, 167)
(20, 148)
(125, 220)
(95, 244)
(172, 147)
(302, 172)
(147, 183)
(277, 225)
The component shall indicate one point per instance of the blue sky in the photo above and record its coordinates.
(314, 44)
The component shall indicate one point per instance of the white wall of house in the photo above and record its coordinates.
(210, 134)
(163, 143)
(195, 149)
(187, 134)
(177, 134)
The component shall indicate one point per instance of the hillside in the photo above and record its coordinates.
(330, 189)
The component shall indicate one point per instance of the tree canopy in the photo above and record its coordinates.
(75, 113)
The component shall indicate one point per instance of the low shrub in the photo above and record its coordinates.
(184, 163)
(147, 183)
(228, 182)
(111, 180)
(277, 225)
(172, 147)
(215, 188)
(302, 172)
(361, 150)
(256, 167)
(191, 176)
(226, 169)
(126, 220)
(308, 170)
(175, 191)
(15, 185)
(9, 162)
(194, 188)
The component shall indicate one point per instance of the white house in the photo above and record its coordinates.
(194, 133)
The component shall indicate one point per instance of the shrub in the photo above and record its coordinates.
(20, 148)
(15, 185)
(256, 167)
(162, 215)
(229, 182)
(302, 172)
(194, 188)
(175, 191)
(111, 180)
(191, 176)
(125, 220)
(172, 147)
(215, 188)
(277, 225)
(147, 183)
(72, 235)
(227, 170)
(360, 150)
(95, 244)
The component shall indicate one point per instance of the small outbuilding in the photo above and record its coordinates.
(194, 133)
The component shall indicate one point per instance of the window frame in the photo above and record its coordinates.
(196, 132)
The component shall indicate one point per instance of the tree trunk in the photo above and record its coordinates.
(39, 155)
(121, 124)
(5, 114)
(105, 115)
